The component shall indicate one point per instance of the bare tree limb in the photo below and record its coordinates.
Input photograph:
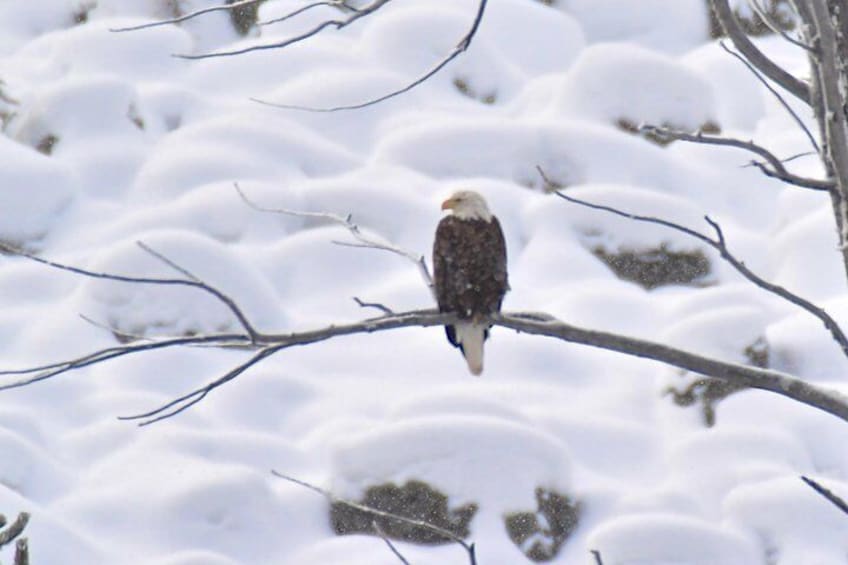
(830, 108)
(827, 493)
(276, 342)
(460, 48)
(333, 499)
(189, 16)
(362, 240)
(14, 529)
(290, 15)
(543, 324)
(597, 555)
(50, 370)
(769, 21)
(381, 307)
(22, 552)
(720, 245)
(336, 23)
(778, 169)
(192, 282)
(827, 400)
(776, 94)
(389, 543)
(749, 51)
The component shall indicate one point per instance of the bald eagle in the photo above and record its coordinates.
(469, 267)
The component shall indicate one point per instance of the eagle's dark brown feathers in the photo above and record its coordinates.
(469, 267)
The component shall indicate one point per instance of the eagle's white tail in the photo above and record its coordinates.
(472, 335)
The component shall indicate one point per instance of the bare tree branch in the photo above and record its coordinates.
(336, 23)
(209, 289)
(468, 547)
(778, 169)
(737, 35)
(597, 555)
(14, 529)
(830, 106)
(776, 94)
(827, 493)
(381, 307)
(720, 245)
(460, 48)
(767, 19)
(189, 16)
(276, 342)
(389, 543)
(827, 400)
(333, 3)
(186, 401)
(362, 240)
(50, 370)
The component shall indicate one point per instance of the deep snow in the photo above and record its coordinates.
(147, 147)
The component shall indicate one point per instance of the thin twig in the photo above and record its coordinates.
(122, 335)
(743, 43)
(14, 529)
(597, 555)
(381, 307)
(745, 61)
(50, 370)
(186, 401)
(185, 17)
(336, 23)
(720, 245)
(363, 241)
(769, 21)
(333, 499)
(460, 48)
(389, 543)
(194, 283)
(306, 8)
(778, 169)
(274, 343)
(827, 493)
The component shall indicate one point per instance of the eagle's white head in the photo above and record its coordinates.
(468, 205)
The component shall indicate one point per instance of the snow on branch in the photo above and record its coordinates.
(772, 167)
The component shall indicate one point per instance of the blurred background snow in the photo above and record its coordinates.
(109, 140)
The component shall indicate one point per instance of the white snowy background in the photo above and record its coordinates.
(147, 147)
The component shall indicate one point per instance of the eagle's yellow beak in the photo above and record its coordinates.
(448, 204)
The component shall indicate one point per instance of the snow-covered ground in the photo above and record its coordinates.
(146, 147)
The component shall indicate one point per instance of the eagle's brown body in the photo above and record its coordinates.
(470, 278)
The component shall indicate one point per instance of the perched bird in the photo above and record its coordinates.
(469, 267)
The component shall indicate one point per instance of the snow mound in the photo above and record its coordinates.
(667, 539)
(144, 310)
(617, 83)
(495, 462)
(645, 22)
(35, 192)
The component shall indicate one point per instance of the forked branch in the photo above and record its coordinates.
(727, 19)
(772, 167)
(720, 245)
(361, 239)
